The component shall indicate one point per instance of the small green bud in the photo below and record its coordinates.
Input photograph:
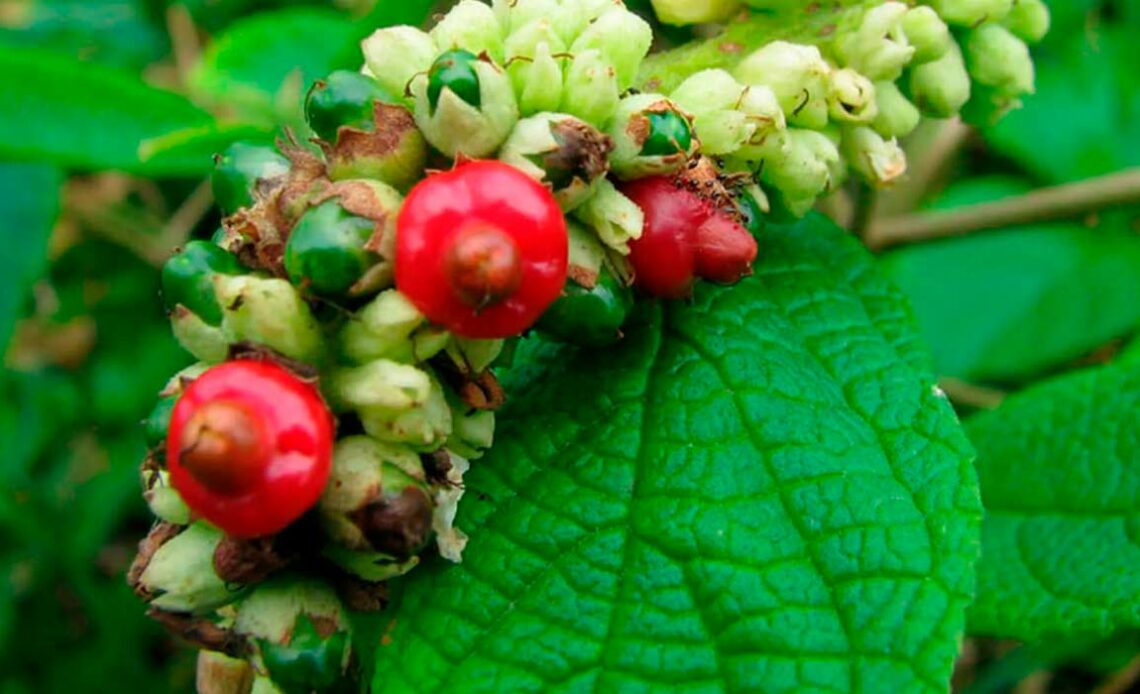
(383, 329)
(238, 171)
(162, 498)
(424, 427)
(804, 169)
(561, 151)
(685, 12)
(269, 311)
(879, 161)
(941, 87)
(470, 26)
(971, 13)
(622, 38)
(1029, 20)
(998, 59)
(327, 254)
(377, 499)
(878, 47)
(535, 73)
(473, 433)
(759, 103)
(395, 55)
(301, 634)
(474, 356)
(927, 33)
(615, 218)
(575, 16)
(343, 98)
(652, 136)
(897, 117)
(514, 14)
(851, 98)
(188, 279)
(379, 383)
(590, 88)
(715, 98)
(206, 343)
(369, 566)
(466, 104)
(180, 576)
(797, 75)
(591, 316)
(158, 421)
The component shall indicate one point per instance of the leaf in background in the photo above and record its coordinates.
(1003, 306)
(28, 208)
(112, 32)
(1084, 119)
(1059, 468)
(262, 66)
(89, 116)
(392, 12)
(760, 491)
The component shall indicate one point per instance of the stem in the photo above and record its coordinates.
(971, 394)
(1047, 204)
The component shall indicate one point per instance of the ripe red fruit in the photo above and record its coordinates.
(249, 447)
(725, 250)
(664, 258)
(481, 249)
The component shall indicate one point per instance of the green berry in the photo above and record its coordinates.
(454, 70)
(188, 279)
(158, 421)
(238, 170)
(669, 133)
(343, 98)
(590, 316)
(310, 662)
(752, 213)
(326, 251)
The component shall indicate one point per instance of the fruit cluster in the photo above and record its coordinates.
(856, 75)
(495, 176)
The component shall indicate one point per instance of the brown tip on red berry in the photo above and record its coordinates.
(222, 447)
(483, 265)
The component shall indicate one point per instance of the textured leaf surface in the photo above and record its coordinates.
(77, 114)
(28, 208)
(1059, 467)
(1007, 305)
(757, 492)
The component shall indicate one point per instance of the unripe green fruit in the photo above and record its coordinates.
(1029, 20)
(897, 117)
(237, 171)
(941, 87)
(158, 421)
(998, 59)
(651, 135)
(454, 70)
(589, 316)
(343, 98)
(752, 209)
(188, 279)
(326, 251)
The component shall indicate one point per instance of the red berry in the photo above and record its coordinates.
(664, 258)
(481, 249)
(249, 447)
(725, 250)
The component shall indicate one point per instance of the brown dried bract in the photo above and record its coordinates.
(391, 125)
(247, 562)
(437, 465)
(585, 277)
(480, 391)
(360, 595)
(159, 535)
(703, 178)
(397, 526)
(201, 632)
(583, 150)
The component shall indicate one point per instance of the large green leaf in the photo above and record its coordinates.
(1059, 468)
(390, 12)
(1006, 305)
(1084, 119)
(262, 65)
(114, 32)
(28, 208)
(760, 491)
(85, 115)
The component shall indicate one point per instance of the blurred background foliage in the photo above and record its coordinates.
(87, 216)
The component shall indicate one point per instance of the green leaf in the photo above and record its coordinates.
(760, 491)
(28, 209)
(84, 115)
(263, 65)
(113, 32)
(1061, 488)
(387, 13)
(1006, 305)
(1084, 119)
